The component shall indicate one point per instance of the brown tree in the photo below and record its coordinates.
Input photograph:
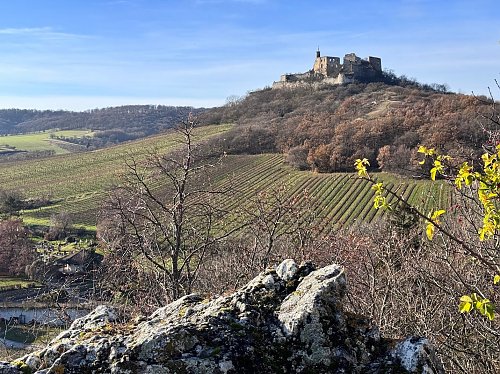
(17, 251)
(162, 222)
(277, 221)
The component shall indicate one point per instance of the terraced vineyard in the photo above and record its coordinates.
(78, 183)
(339, 199)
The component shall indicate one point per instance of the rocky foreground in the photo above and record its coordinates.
(287, 320)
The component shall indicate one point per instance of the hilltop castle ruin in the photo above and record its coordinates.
(329, 70)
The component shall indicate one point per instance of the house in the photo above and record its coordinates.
(78, 263)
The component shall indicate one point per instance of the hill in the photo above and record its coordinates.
(278, 133)
(325, 128)
(76, 182)
(110, 125)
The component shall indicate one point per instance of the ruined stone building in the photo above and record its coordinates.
(330, 70)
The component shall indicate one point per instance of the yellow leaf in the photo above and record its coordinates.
(465, 304)
(496, 279)
(433, 174)
(377, 187)
(422, 149)
(490, 314)
(360, 166)
(430, 231)
(438, 213)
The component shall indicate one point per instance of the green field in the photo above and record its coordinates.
(78, 183)
(41, 141)
(8, 282)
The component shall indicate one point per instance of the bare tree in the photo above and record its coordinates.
(163, 221)
(16, 249)
(60, 226)
(279, 222)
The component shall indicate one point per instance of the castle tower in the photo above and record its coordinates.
(326, 66)
(376, 63)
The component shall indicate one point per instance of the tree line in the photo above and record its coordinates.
(111, 125)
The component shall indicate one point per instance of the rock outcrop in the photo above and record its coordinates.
(287, 320)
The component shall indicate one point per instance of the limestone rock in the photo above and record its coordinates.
(5, 368)
(287, 270)
(288, 320)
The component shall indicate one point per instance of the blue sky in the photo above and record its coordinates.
(82, 54)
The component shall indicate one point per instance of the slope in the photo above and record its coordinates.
(326, 128)
(77, 182)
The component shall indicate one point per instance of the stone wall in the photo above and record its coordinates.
(329, 68)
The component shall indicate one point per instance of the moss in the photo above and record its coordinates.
(225, 310)
(177, 367)
(236, 326)
(23, 366)
(182, 312)
(59, 369)
(170, 348)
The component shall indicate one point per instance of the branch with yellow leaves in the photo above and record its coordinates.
(491, 221)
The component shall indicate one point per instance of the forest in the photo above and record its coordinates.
(110, 125)
(328, 129)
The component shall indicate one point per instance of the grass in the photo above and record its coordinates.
(7, 282)
(26, 334)
(34, 336)
(41, 141)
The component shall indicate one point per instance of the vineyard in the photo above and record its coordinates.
(77, 183)
(338, 199)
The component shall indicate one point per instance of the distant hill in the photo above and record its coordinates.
(110, 125)
(326, 128)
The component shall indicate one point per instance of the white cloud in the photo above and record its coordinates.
(25, 30)
(40, 32)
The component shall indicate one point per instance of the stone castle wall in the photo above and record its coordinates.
(329, 70)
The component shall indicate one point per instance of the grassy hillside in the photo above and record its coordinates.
(339, 199)
(77, 182)
(41, 141)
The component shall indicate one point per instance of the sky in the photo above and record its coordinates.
(85, 54)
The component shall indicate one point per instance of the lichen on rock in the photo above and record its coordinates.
(286, 320)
